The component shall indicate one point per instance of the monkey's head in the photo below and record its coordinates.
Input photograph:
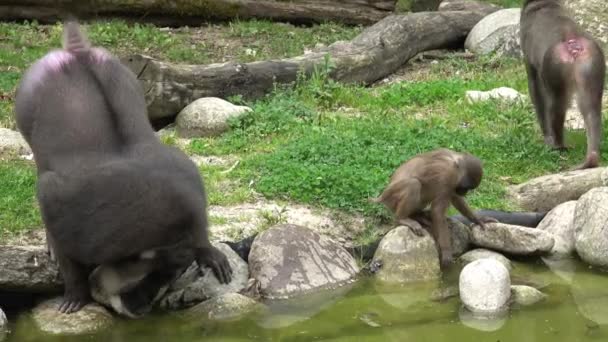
(472, 172)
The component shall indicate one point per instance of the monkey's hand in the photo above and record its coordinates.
(217, 261)
(73, 301)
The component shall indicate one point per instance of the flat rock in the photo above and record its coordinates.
(512, 239)
(526, 295)
(492, 31)
(481, 253)
(226, 307)
(485, 286)
(28, 268)
(192, 288)
(546, 192)
(12, 143)
(591, 227)
(406, 257)
(289, 260)
(559, 222)
(207, 117)
(505, 94)
(91, 318)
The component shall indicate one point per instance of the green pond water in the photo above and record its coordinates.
(576, 309)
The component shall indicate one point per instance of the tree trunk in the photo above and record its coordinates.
(180, 12)
(375, 53)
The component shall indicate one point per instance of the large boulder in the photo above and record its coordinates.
(192, 287)
(207, 117)
(226, 307)
(289, 260)
(28, 269)
(481, 253)
(546, 192)
(12, 143)
(491, 32)
(592, 15)
(91, 318)
(591, 227)
(558, 222)
(406, 257)
(485, 286)
(512, 239)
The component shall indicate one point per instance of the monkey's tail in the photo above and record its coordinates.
(74, 40)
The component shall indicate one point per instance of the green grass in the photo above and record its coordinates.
(18, 208)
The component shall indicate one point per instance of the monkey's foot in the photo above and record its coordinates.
(591, 162)
(218, 262)
(73, 302)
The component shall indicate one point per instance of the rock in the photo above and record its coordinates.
(502, 93)
(558, 222)
(28, 268)
(407, 257)
(467, 5)
(444, 293)
(3, 324)
(512, 239)
(564, 268)
(12, 143)
(485, 286)
(225, 307)
(481, 253)
(487, 323)
(289, 260)
(461, 237)
(511, 45)
(192, 288)
(417, 5)
(492, 31)
(91, 318)
(590, 294)
(592, 15)
(591, 227)
(546, 192)
(207, 117)
(526, 295)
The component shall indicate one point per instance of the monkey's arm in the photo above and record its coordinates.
(461, 205)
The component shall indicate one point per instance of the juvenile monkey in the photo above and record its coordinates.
(111, 194)
(561, 59)
(439, 178)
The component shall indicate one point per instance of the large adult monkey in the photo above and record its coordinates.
(108, 189)
(437, 178)
(561, 60)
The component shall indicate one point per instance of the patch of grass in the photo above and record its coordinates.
(505, 3)
(18, 207)
(221, 190)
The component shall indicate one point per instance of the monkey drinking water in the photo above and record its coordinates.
(110, 193)
(561, 60)
(437, 178)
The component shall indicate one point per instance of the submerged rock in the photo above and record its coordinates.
(91, 318)
(559, 222)
(526, 295)
(480, 322)
(207, 117)
(546, 192)
(28, 268)
(289, 260)
(485, 286)
(407, 257)
(226, 307)
(481, 253)
(591, 227)
(512, 239)
(192, 287)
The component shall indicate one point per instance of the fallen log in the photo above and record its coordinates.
(180, 12)
(375, 53)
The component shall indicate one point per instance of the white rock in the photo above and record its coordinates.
(559, 222)
(485, 286)
(492, 31)
(512, 239)
(3, 322)
(591, 227)
(207, 117)
(502, 93)
(481, 253)
(13, 143)
(227, 307)
(526, 295)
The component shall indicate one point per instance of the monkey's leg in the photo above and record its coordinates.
(409, 203)
(538, 101)
(440, 230)
(557, 100)
(76, 289)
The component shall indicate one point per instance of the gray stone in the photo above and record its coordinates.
(226, 307)
(559, 222)
(289, 260)
(485, 286)
(91, 318)
(481, 253)
(12, 143)
(207, 117)
(492, 31)
(526, 295)
(546, 192)
(461, 237)
(406, 257)
(511, 45)
(591, 227)
(512, 239)
(192, 288)
(28, 268)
